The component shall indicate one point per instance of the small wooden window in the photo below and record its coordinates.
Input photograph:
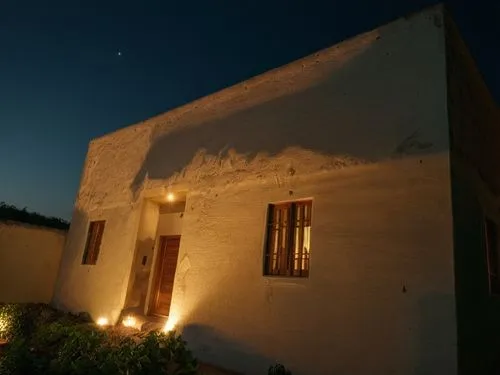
(94, 237)
(288, 239)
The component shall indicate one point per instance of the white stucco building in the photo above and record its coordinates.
(326, 214)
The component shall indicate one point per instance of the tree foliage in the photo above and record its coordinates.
(12, 213)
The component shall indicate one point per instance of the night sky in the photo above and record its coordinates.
(74, 70)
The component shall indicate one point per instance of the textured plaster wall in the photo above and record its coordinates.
(376, 230)
(29, 261)
(100, 289)
(475, 123)
(362, 129)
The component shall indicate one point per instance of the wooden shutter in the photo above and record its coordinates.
(278, 239)
(301, 238)
(94, 238)
(288, 235)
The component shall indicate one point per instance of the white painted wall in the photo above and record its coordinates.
(100, 289)
(362, 129)
(29, 261)
(375, 229)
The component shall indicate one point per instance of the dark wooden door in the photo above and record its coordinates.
(165, 274)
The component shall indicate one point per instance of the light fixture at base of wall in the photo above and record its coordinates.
(102, 321)
(130, 321)
(170, 197)
(170, 324)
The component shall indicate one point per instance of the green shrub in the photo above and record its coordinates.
(45, 341)
(162, 353)
(16, 359)
(8, 318)
(37, 353)
(22, 320)
(278, 369)
(17, 320)
(11, 213)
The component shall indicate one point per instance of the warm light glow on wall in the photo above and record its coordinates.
(102, 321)
(130, 321)
(170, 197)
(170, 324)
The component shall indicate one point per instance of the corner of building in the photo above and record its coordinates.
(474, 121)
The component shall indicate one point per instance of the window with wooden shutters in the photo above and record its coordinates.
(288, 239)
(492, 252)
(93, 244)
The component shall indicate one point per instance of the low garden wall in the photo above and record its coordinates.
(29, 261)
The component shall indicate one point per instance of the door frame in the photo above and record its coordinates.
(155, 285)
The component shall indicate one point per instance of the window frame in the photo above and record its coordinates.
(287, 256)
(93, 242)
(491, 238)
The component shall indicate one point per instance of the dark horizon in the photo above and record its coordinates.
(73, 70)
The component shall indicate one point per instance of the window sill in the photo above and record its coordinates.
(286, 281)
(286, 277)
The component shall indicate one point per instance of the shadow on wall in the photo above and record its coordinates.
(212, 347)
(358, 110)
(435, 352)
(139, 278)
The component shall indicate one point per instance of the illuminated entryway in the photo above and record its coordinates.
(157, 247)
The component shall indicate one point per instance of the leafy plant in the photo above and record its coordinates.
(161, 353)
(16, 359)
(6, 321)
(278, 369)
(45, 341)
(22, 320)
(14, 321)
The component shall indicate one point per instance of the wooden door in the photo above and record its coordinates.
(166, 264)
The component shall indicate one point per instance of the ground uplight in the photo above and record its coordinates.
(129, 321)
(170, 324)
(102, 321)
